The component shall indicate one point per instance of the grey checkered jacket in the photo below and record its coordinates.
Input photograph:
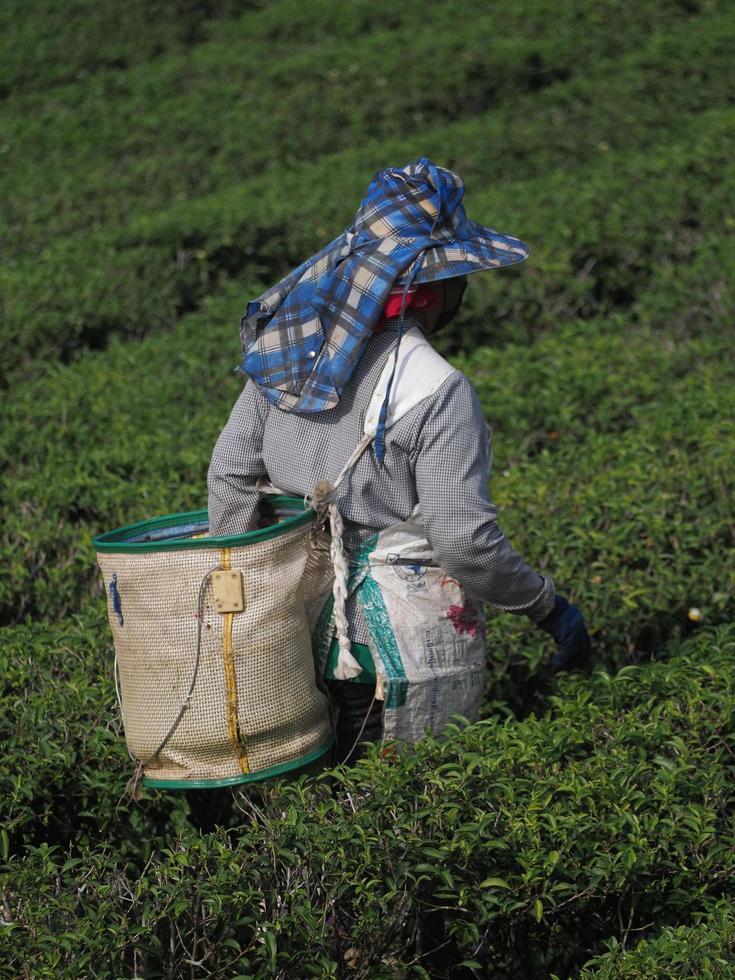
(437, 455)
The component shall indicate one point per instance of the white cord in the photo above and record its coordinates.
(192, 683)
(362, 729)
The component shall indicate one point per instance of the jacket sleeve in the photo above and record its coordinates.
(452, 463)
(236, 465)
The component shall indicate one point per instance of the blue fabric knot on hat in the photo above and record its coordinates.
(303, 338)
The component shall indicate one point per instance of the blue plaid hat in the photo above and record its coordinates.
(303, 338)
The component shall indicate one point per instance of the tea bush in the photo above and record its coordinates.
(264, 76)
(73, 44)
(706, 950)
(89, 273)
(66, 763)
(165, 164)
(612, 463)
(626, 503)
(504, 849)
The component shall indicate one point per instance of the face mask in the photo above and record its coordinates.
(447, 315)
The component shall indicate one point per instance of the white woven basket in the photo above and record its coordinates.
(212, 641)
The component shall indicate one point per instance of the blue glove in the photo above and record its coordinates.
(566, 625)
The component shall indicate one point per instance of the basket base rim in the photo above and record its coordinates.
(246, 777)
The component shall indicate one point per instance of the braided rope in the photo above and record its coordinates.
(347, 667)
(321, 499)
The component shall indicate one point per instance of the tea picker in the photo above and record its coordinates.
(232, 627)
(345, 387)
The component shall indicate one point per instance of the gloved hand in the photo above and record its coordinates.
(566, 625)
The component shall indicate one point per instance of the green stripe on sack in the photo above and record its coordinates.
(379, 625)
(118, 541)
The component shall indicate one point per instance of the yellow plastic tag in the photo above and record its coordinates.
(227, 588)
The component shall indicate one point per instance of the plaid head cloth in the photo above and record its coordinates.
(303, 338)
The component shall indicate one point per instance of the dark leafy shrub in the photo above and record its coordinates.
(66, 766)
(705, 949)
(625, 503)
(506, 848)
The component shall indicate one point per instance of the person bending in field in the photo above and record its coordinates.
(340, 372)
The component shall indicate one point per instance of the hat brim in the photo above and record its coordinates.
(482, 250)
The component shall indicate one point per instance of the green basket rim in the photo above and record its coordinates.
(250, 777)
(114, 542)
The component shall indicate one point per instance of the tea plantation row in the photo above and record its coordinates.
(134, 252)
(613, 468)
(505, 849)
(265, 73)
